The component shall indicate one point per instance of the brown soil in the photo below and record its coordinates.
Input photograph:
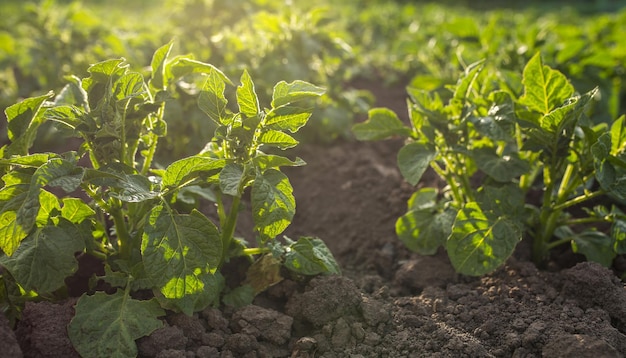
(388, 302)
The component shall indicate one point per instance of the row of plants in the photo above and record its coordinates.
(324, 43)
(109, 200)
(529, 163)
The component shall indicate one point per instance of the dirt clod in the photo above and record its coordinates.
(42, 330)
(10, 347)
(326, 299)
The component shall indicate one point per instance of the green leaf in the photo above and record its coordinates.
(239, 296)
(618, 136)
(423, 198)
(273, 204)
(479, 243)
(246, 96)
(185, 170)
(24, 119)
(180, 254)
(595, 245)
(128, 86)
(609, 171)
(230, 179)
(425, 230)
(381, 123)
(49, 206)
(105, 71)
(310, 256)
(287, 118)
(413, 160)
(75, 210)
(618, 232)
(108, 325)
(72, 94)
(70, 116)
(465, 84)
(544, 88)
(46, 257)
(503, 199)
(158, 80)
(269, 161)
(11, 233)
(183, 66)
(564, 118)
(277, 139)
(32, 160)
(211, 99)
(57, 172)
(285, 93)
(134, 189)
(503, 168)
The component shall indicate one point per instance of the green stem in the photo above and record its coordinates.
(547, 219)
(451, 179)
(556, 243)
(228, 228)
(563, 191)
(221, 212)
(155, 138)
(588, 220)
(578, 200)
(527, 180)
(256, 251)
(123, 237)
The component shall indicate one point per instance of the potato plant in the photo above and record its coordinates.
(516, 147)
(110, 198)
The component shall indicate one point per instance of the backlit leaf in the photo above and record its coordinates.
(273, 204)
(134, 189)
(465, 84)
(246, 97)
(310, 256)
(75, 210)
(158, 80)
(269, 161)
(24, 119)
(424, 231)
(285, 93)
(182, 170)
(278, 139)
(183, 66)
(479, 244)
(180, 254)
(381, 123)
(287, 118)
(544, 88)
(212, 100)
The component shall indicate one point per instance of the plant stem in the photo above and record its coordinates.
(547, 218)
(578, 200)
(124, 239)
(586, 220)
(256, 250)
(228, 229)
(556, 243)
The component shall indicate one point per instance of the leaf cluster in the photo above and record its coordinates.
(108, 199)
(515, 147)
